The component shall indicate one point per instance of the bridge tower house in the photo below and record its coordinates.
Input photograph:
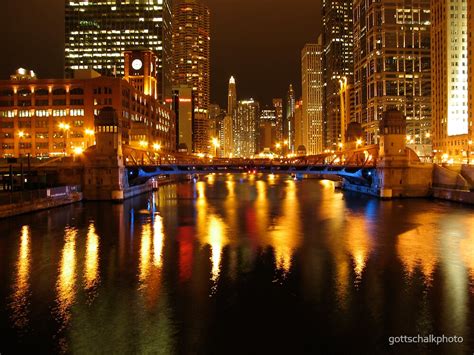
(105, 175)
(400, 172)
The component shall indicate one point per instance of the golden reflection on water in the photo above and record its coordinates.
(158, 240)
(285, 236)
(21, 287)
(66, 284)
(145, 253)
(418, 247)
(467, 248)
(358, 243)
(91, 270)
(211, 229)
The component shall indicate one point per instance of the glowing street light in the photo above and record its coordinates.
(359, 142)
(78, 150)
(143, 144)
(216, 144)
(156, 147)
(21, 134)
(65, 128)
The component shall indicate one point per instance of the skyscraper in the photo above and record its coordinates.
(278, 106)
(246, 128)
(449, 62)
(267, 130)
(98, 32)
(290, 119)
(470, 57)
(313, 91)
(232, 97)
(392, 65)
(191, 62)
(338, 62)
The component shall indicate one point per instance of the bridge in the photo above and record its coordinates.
(114, 170)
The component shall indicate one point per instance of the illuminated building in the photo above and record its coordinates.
(53, 117)
(216, 129)
(183, 106)
(338, 61)
(300, 131)
(289, 130)
(313, 92)
(228, 136)
(392, 65)
(267, 130)
(232, 97)
(191, 62)
(98, 32)
(470, 57)
(140, 71)
(278, 106)
(449, 36)
(246, 128)
(346, 94)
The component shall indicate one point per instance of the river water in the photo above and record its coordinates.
(238, 265)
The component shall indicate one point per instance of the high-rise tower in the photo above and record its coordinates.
(232, 97)
(392, 65)
(290, 118)
(98, 32)
(313, 90)
(191, 62)
(338, 62)
(449, 63)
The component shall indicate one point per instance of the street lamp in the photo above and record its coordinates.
(359, 142)
(89, 134)
(65, 128)
(469, 145)
(216, 144)
(157, 148)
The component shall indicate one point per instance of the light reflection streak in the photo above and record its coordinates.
(418, 247)
(91, 271)
(66, 290)
(358, 243)
(158, 239)
(285, 237)
(21, 287)
(145, 253)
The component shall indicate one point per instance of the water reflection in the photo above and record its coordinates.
(21, 287)
(358, 243)
(91, 270)
(66, 284)
(418, 247)
(211, 230)
(285, 235)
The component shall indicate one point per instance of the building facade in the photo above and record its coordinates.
(95, 41)
(191, 62)
(313, 91)
(183, 107)
(232, 97)
(451, 121)
(54, 117)
(278, 107)
(392, 66)
(338, 61)
(267, 131)
(245, 128)
(289, 129)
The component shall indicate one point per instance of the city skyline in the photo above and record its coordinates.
(231, 55)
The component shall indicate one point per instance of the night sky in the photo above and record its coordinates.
(257, 41)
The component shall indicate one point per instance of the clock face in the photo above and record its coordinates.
(137, 64)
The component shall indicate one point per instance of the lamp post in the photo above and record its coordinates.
(89, 134)
(216, 144)
(469, 145)
(65, 128)
(157, 148)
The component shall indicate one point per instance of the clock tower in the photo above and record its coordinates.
(141, 69)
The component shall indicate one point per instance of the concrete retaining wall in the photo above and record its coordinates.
(38, 205)
(454, 195)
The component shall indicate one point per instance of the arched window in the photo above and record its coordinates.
(42, 92)
(59, 91)
(77, 91)
(24, 92)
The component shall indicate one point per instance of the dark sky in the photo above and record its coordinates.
(257, 41)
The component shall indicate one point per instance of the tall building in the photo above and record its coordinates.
(191, 62)
(183, 107)
(289, 132)
(449, 33)
(313, 92)
(232, 97)
(228, 136)
(300, 131)
(98, 32)
(470, 57)
(278, 106)
(267, 130)
(141, 71)
(246, 128)
(338, 62)
(216, 127)
(392, 65)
